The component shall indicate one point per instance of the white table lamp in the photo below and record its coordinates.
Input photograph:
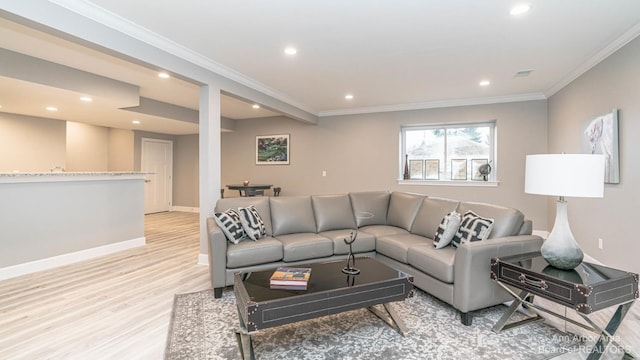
(564, 175)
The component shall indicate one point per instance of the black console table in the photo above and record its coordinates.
(587, 288)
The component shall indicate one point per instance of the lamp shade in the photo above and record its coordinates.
(572, 175)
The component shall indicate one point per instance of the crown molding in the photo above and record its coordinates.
(435, 104)
(114, 21)
(607, 51)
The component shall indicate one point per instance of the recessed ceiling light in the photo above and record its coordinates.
(164, 75)
(255, 106)
(485, 83)
(520, 9)
(135, 122)
(290, 50)
(52, 108)
(86, 99)
(349, 96)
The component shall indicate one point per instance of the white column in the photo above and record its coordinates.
(210, 155)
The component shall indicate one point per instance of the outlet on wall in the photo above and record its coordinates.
(600, 243)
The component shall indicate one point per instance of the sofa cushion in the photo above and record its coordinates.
(447, 230)
(292, 214)
(431, 212)
(261, 203)
(333, 212)
(472, 228)
(382, 230)
(403, 208)
(437, 263)
(302, 246)
(397, 246)
(229, 222)
(252, 223)
(365, 242)
(507, 221)
(370, 207)
(246, 253)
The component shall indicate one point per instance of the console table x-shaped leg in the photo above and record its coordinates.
(606, 334)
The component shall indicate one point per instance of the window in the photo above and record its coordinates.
(448, 152)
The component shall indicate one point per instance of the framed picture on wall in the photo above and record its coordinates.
(601, 137)
(458, 169)
(432, 169)
(272, 149)
(416, 171)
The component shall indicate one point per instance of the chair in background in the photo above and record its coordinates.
(276, 191)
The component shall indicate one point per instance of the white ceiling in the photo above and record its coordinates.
(390, 55)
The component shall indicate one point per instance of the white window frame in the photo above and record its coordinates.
(493, 179)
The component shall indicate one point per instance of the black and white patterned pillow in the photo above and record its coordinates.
(252, 222)
(472, 228)
(229, 223)
(446, 230)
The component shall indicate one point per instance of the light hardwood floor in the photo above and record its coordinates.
(118, 306)
(112, 307)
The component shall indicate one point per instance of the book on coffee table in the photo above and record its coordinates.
(290, 277)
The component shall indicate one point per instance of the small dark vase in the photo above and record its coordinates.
(406, 167)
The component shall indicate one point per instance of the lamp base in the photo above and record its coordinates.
(561, 249)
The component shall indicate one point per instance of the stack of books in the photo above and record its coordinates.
(290, 278)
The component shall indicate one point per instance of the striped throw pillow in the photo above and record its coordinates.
(229, 223)
(472, 228)
(252, 222)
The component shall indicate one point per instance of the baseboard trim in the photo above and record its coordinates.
(203, 259)
(185, 209)
(66, 259)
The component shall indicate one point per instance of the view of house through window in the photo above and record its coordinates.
(451, 152)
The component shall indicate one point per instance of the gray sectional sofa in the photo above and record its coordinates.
(395, 228)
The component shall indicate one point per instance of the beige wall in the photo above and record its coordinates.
(87, 147)
(31, 144)
(121, 150)
(614, 83)
(361, 152)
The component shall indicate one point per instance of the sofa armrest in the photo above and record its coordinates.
(473, 287)
(217, 254)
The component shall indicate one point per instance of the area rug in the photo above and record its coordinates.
(204, 328)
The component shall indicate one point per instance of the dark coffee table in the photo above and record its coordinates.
(329, 291)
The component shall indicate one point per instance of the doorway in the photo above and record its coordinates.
(157, 162)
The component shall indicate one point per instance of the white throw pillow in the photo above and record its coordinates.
(446, 230)
(229, 223)
(252, 222)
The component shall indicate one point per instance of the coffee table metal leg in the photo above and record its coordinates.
(391, 317)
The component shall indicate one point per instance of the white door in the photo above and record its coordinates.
(157, 161)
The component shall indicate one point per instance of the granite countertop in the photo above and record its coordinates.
(69, 176)
(72, 173)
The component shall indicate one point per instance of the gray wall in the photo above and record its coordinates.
(614, 83)
(186, 171)
(361, 152)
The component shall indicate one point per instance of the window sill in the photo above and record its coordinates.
(469, 183)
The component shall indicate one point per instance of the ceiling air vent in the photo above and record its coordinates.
(523, 73)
